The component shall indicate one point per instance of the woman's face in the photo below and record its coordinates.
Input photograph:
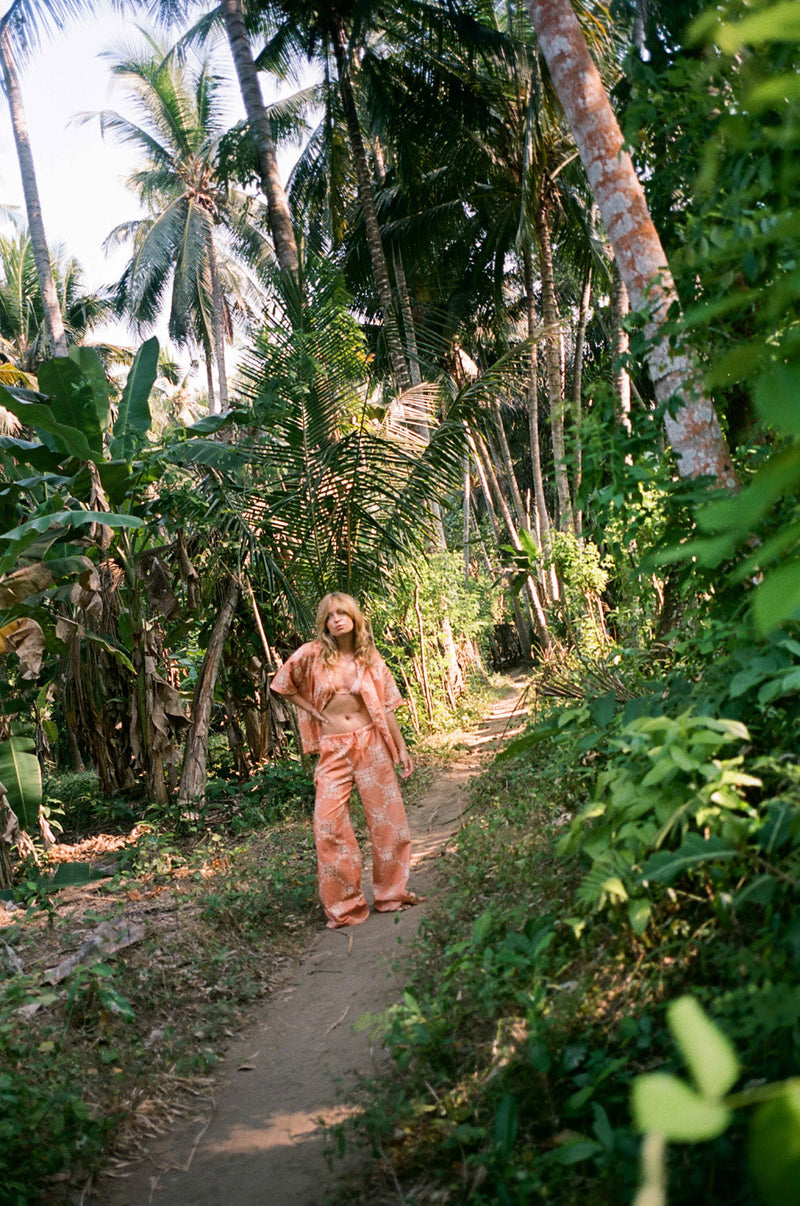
(339, 622)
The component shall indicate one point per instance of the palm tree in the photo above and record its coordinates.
(693, 429)
(239, 20)
(321, 495)
(197, 231)
(280, 218)
(477, 191)
(19, 26)
(23, 328)
(334, 36)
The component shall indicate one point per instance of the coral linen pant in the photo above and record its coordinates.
(359, 758)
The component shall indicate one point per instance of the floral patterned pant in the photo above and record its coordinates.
(359, 758)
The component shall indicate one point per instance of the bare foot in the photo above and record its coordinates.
(408, 901)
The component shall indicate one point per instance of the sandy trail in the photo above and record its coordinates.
(260, 1142)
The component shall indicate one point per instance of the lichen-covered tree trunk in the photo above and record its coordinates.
(620, 307)
(278, 213)
(552, 354)
(577, 391)
(54, 321)
(693, 431)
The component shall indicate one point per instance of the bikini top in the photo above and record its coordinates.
(355, 689)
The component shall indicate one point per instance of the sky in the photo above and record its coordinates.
(81, 175)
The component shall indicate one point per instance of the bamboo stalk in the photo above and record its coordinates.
(274, 662)
(412, 704)
(425, 683)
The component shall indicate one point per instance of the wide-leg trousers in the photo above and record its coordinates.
(359, 758)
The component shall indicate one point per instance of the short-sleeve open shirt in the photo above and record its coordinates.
(306, 673)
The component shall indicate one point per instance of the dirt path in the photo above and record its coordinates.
(260, 1141)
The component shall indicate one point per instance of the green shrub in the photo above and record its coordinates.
(83, 808)
(45, 1126)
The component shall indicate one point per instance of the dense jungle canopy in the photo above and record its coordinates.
(512, 355)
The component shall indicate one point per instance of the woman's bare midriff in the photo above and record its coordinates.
(345, 714)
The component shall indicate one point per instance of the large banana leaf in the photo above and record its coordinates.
(72, 519)
(59, 436)
(31, 452)
(134, 419)
(91, 367)
(21, 776)
(55, 526)
(72, 402)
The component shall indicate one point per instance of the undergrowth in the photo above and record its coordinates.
(628, 851)
(88, 1060)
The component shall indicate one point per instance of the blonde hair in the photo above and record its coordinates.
(364, 643)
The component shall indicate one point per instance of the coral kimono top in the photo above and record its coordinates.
(305, 673)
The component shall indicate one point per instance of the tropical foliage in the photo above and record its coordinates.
(197, 236)
(442, 404)
(23, 336)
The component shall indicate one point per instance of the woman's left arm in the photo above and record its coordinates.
(399, 740)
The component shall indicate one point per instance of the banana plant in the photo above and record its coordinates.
(20, 796)
(77, 563)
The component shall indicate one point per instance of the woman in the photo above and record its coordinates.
(347, 698)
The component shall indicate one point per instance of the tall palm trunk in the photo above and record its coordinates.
(577, 388)
(408, 317)
(523, 629)
(455, 679)
(54, 322)
(620, 306)
(487, 475)
(508, 466)
(552, 352)
(218, 304)
(213, 408)
(533, 396)
(366, 200)
(408, 332)
(693, 430)
(466, 505)
(279, 216)
(543, 515)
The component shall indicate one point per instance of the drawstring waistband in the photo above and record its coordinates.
(350, 737)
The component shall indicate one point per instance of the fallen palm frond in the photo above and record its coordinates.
(580, 677)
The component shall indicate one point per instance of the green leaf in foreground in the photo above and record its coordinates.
(774, 1147)
(778, 597)
(693, 852)
(133, 418)
(71, 519)
(664, 1105)
(708, 1053)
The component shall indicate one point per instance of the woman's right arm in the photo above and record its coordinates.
(300, 701)
(295, 678)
